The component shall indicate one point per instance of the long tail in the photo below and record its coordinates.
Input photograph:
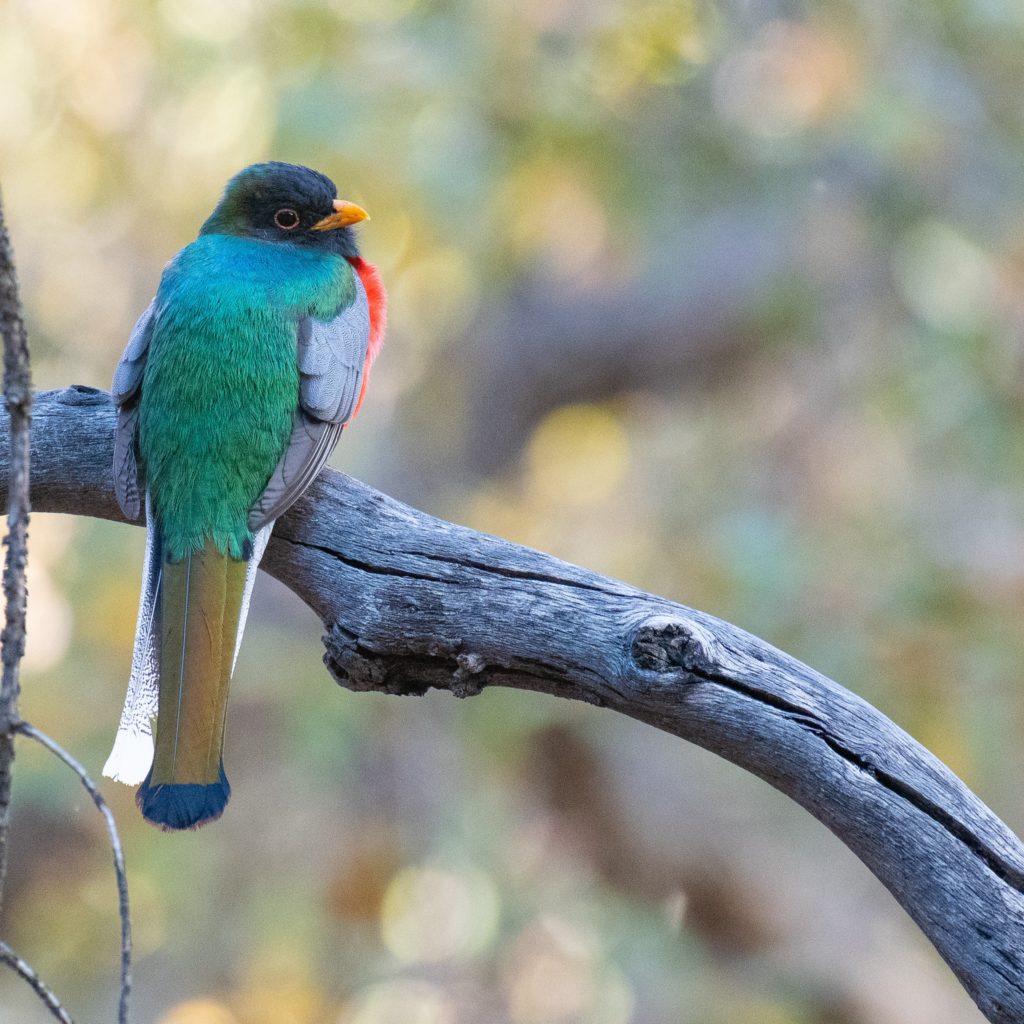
(200, 604)
(191, 619)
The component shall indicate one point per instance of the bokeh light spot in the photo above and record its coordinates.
(551, 212)
(199, 1011)
(430, 914)
(551, 975)
(223, 22)
(791, 76)
(408, 1002)
(434, 297)
(946, 279)
(578, 455)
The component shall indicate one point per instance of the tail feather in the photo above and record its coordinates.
(259, 544)
(200, 606)
(132, 755)
(173, 806)
(191, 618)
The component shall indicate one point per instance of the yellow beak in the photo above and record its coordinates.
(345, 213)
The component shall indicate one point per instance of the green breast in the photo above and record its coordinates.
(221, 383)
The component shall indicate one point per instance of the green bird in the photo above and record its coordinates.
(231, 394)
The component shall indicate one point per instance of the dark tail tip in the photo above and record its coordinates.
(174, 806)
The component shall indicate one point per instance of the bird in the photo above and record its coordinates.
(231, 394)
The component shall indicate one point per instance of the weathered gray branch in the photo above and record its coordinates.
(411, 602)
(18, 403)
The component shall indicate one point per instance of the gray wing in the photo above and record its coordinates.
(331, 359)
(126, 390)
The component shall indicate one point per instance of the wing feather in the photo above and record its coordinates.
(331, 356)
(127, 382)
(128, 375)
(331, 360)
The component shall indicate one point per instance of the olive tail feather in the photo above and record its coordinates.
(191, 617)
(201, 599)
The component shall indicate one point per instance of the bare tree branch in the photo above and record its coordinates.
(411, 602)
(115, 844)
(18, 400)
(19, 966)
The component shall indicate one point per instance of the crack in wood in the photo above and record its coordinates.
(354, 563)
(682, 653)
(518, 574)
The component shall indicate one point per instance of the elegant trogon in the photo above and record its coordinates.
(234, 389)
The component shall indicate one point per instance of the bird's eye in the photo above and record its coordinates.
(286, 219)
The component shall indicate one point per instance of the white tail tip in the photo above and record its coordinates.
(131, 757)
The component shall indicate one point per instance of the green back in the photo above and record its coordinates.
(221, 383)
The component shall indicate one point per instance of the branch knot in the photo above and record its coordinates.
(667, 645)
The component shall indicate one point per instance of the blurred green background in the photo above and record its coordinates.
(721, 299)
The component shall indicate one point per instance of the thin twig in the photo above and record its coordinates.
(115, 843)
(50, 1001)
(18, 399)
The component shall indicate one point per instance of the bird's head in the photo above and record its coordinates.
(279, 202)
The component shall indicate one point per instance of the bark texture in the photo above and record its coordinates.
(411, 602)
(18, 403)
